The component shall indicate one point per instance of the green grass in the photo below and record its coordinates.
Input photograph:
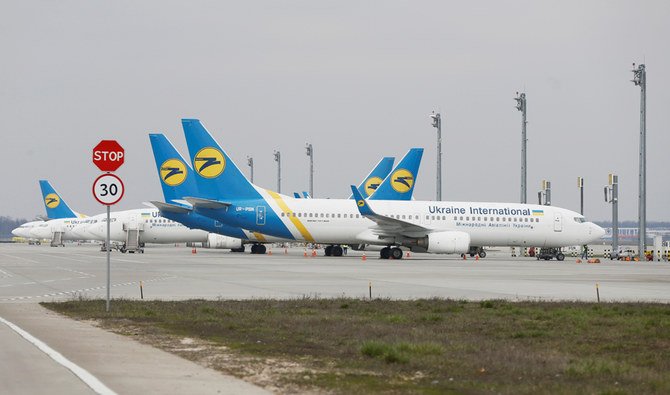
(420, 346)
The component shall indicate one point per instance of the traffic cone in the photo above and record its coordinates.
(193, 251)
(477, 257)
(407, 254)
(285, 251)
(578, 260)
(305, 253)
(269, 251)
(313, 252)
(464, 258)
(363, 257)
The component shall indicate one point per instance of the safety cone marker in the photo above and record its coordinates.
(305, 253)
(313, 252)
(193, 251)
(363, 257)
(477, 257)
(407, 254)
(269, 251)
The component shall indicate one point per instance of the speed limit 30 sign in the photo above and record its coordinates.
(108, 189)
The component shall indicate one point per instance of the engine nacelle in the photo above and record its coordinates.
(221, 241)
(447, 242)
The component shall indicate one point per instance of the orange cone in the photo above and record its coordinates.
(578, 261)
(269, 251)
(193, 251)
(305, 253)
(313, 252)
(464, 258)
(363, 257)
(407, 254)
(477, 257)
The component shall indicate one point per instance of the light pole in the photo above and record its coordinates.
(580, 185)
(521, 106)
(612, 196)
(310, 153)
(250, 162)
(640, 79)
(278, 160)
(437, 123)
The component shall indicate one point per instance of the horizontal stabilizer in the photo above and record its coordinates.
(172, 208)
(206, 203)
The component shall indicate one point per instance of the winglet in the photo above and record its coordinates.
(362, 205)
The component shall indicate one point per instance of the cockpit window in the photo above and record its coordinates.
(580, 219)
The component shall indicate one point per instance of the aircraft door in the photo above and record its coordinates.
(558, 222)
(260, 215)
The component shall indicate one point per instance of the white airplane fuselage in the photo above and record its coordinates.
(338, 221)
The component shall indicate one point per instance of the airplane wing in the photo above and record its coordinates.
(387, 226)
(207, 203)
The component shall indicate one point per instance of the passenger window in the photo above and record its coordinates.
(356, 215)
(479, 218)
(338, 215)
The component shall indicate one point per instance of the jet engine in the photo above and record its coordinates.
(221, 241)
(446, 242)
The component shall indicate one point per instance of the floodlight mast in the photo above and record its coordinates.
(640, 79)
(521, 106)
(437, 123)
(278, 160)
(310, 153)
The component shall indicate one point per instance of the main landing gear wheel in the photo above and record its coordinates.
(560, 256)
(396, 253)
(258, 249)
(328, 250)
(385, 253)
(337, 251)
(482, 254)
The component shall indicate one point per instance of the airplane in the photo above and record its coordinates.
(60, 222)
(224, 194)
(177, 184)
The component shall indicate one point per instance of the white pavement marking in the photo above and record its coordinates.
(4, 274)
(20, 257)
(77, 291)
(88, 379)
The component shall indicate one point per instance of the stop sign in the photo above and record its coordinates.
(108, 155)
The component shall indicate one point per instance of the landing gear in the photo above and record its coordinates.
(474, 250)
(258, 249)
(241, 249)
(333, 250)
(390, 252)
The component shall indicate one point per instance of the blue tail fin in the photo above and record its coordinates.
(217, 176)
(176, 175)
(372, 181)
(399, 185)
(54, 204)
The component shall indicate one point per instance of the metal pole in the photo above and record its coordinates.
(521, 106)
(310, 153)
(437, 123)
(278, 160)
(615, 214)
(108, 264)
(640, 79)
(250, 162)
(580, 185)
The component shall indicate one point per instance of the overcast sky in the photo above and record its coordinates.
(357, 79)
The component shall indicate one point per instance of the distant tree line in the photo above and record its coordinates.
(7, 224)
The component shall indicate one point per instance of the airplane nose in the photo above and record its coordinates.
(597, 231)
(16, 232)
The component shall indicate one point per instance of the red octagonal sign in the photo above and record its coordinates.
(108, 155)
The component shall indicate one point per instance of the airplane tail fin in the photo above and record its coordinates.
(54, 204)
(176, 175)
(372, 181)
(399, 185)
(217, 176)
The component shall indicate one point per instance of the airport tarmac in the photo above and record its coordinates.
(42, 273)
(30, 274)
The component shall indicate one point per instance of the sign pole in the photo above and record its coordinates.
(108, 264)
